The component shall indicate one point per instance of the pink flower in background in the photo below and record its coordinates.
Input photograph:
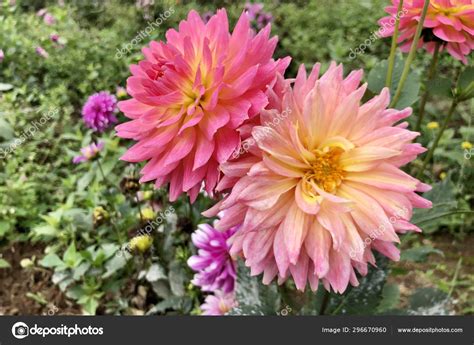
(190, 96)
(253, 10)
(41, 12)
(215, 267)
(218, 304)
(89, 152)
(41, 52)
(49, 19)
(99, 111)
(2, 55)
(450, 22)
(54, 38)
(326, 189)
(257, 15)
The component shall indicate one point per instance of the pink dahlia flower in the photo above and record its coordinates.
(99, 111)
(89, 152)
(190, 96)
(218, 304)
(450, 22)
(215, 267)
(326, 188)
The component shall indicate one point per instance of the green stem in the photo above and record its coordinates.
(431, 72)
(455, 277)
(393, 48)
(438, 137)
(324, 303)
(411, 56)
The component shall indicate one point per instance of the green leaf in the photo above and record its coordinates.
(4, 263)
(177, 278)
(117, 262)
(4, 227)
(444, 201)
(71, 257)
(89, 304)
(428, 301)
(419, 254)
(466, 78)
(440, 86)
(252, 296)
(377, 76)
(155, 272)
(390, 298)
(5, 87)
(51, 260)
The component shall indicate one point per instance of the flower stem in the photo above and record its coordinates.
(411, 56)
(324, 302)
(431, 72)
(429, 155)
(393, 48)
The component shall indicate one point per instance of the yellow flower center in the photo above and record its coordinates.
(325, 171)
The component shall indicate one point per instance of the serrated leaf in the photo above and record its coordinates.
(116, 263)
(177, 277)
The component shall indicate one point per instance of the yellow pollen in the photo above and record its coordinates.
(325, 171)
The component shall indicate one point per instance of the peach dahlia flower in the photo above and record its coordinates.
(450, 22)
(191, 94)
(326, 188)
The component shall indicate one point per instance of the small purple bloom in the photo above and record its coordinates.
(49, 19)
(54, 37)
(206, 16)
(98, 112)
(263, 19)
(214, 266)
(218, 304)
(2, 56)
(253, 10)
(41, 52)
(89, 152)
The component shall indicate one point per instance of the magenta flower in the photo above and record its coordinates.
(253, 10)
(49, 19)
(54, 38)
(41, 52)
(41, 12)
(264, 19)
(218, 304)
(89, 152)
(2, 55)
(99, 110)
(215, 267)
(191, 95)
